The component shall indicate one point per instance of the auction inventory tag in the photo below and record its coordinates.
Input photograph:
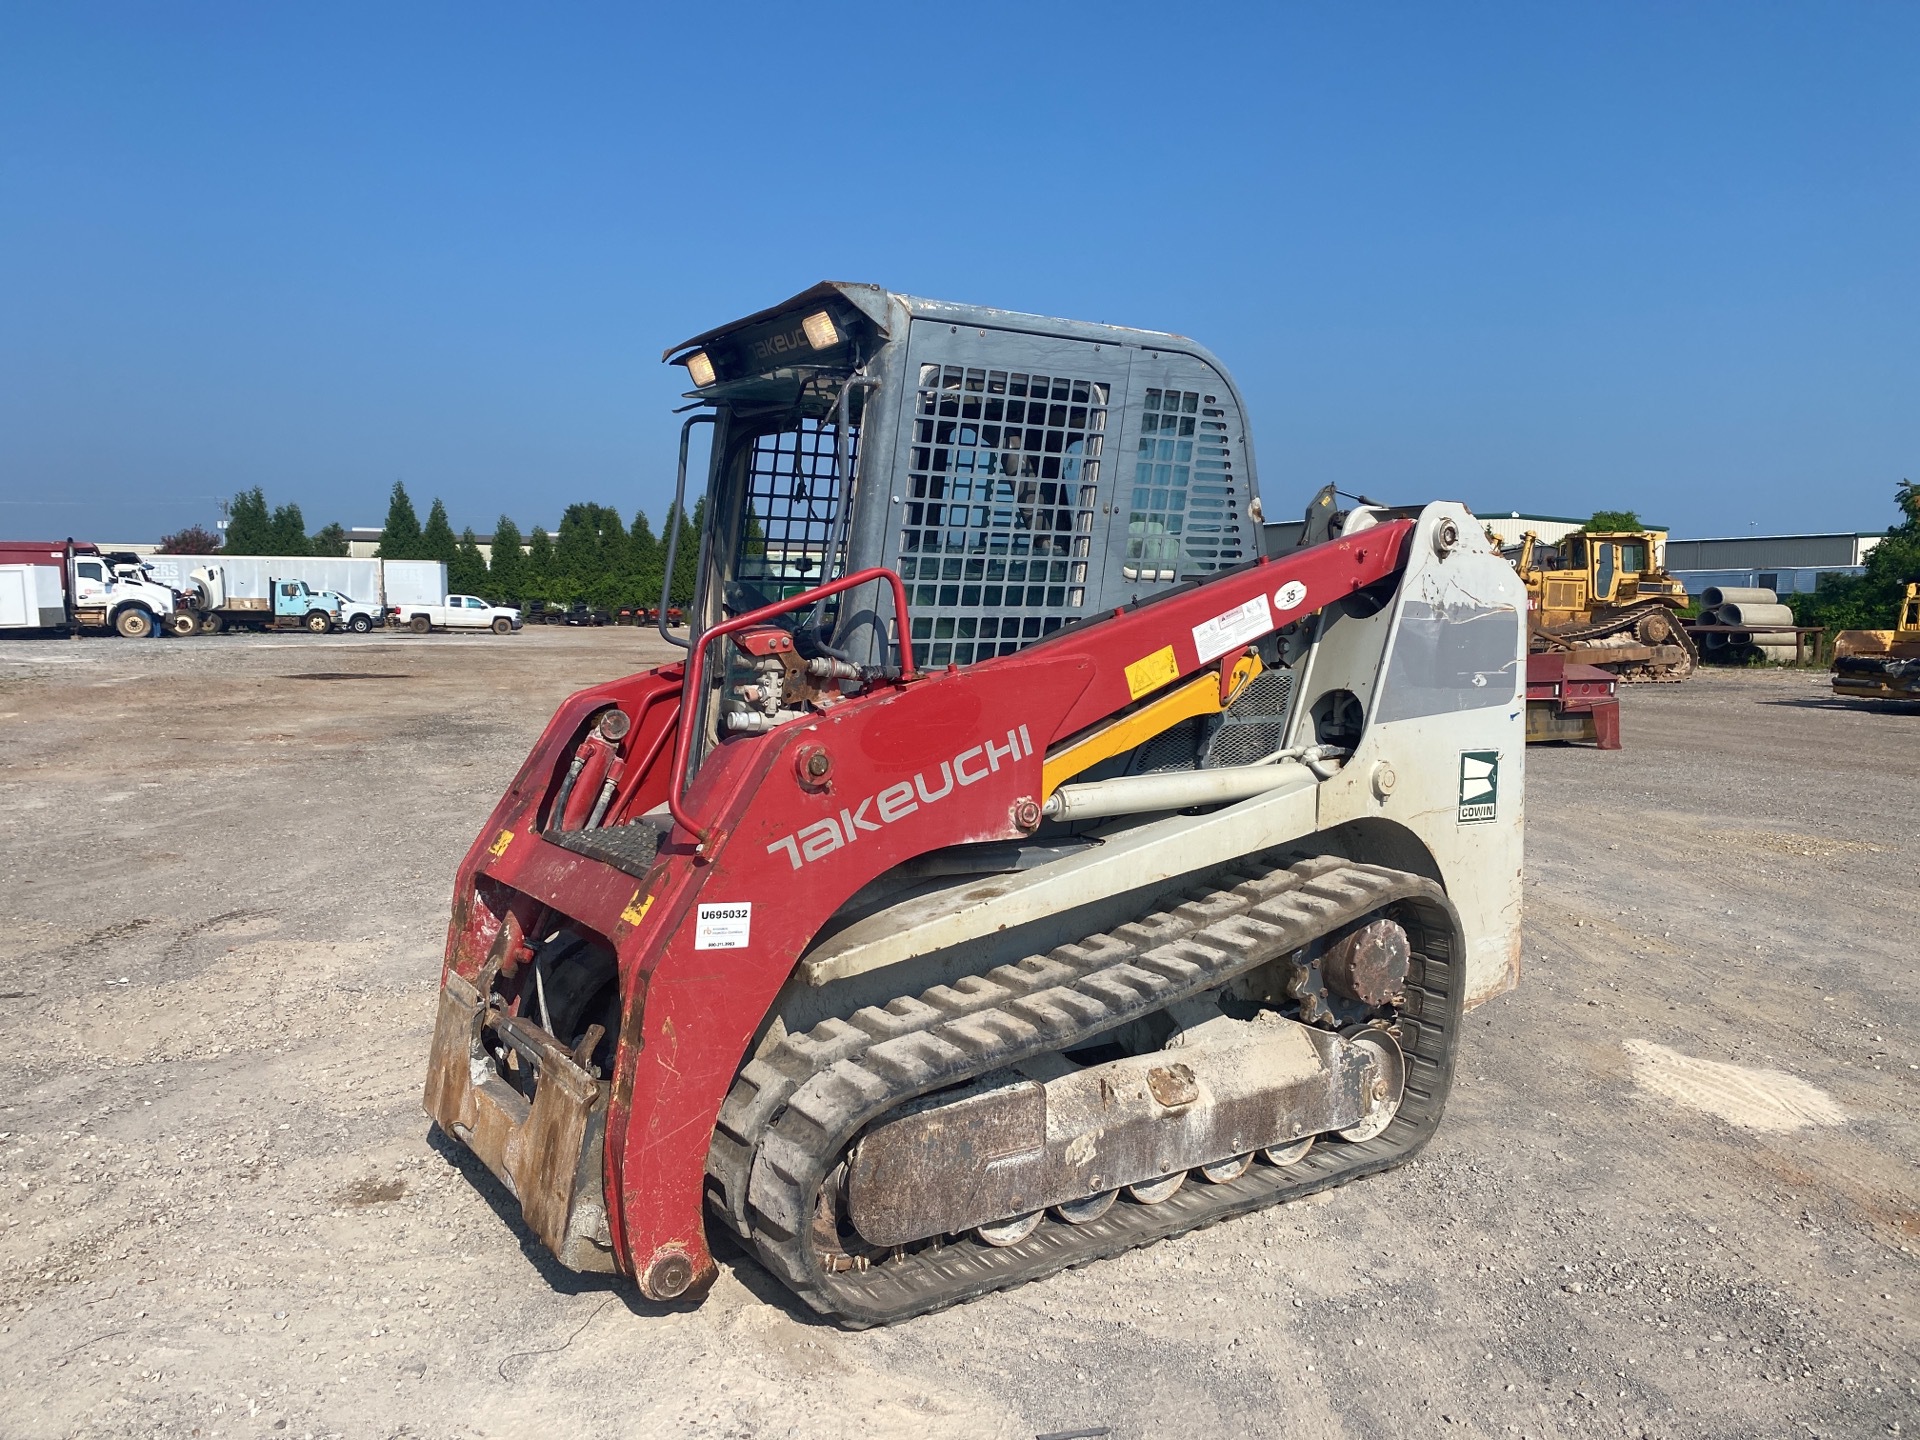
(1235, 628)
(723, 927)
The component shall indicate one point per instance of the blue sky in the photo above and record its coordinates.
(1539, 257)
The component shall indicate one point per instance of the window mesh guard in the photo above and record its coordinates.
(998, 523)
(1185, 515)
(793, 501)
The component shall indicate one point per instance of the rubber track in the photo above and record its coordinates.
(766, 1085)
(1625, 621)
(842, 1075)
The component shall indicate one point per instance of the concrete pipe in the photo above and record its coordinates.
(1776, 654)
(1714, 596)
(1736, 612)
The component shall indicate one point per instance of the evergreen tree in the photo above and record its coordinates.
(589, 553)
(537, 567)
(249, 527)
(686, 558)
(506, 572)
(644, 563)
(436, 540)
(400, 536)
(289, 531)
(467, 570)
(330, 539)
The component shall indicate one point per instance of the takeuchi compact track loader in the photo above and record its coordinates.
(1019, 867)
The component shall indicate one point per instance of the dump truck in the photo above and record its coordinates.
(1600, 598)
(74, 586)
(1881, 664)
(1018, 866)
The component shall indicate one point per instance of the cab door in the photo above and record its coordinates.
(1604, 570)
(89, 584)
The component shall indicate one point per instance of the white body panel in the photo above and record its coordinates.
(31, 597)
(412, 582)
(376, 583)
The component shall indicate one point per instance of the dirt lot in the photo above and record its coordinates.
(1676, 1193)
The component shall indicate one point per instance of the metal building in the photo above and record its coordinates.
(1785, 564)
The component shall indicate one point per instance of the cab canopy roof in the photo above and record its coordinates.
(884, 309)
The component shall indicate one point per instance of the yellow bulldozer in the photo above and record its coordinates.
(1601, 598)
(1881, 664)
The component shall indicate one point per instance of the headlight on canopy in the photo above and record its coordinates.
(820, 330)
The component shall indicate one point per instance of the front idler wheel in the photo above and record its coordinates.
(1385, 1086)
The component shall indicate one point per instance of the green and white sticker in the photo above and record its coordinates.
(1479, 786)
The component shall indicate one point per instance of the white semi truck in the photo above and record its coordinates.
(74, 586)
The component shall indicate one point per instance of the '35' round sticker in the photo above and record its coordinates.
(1289, 596)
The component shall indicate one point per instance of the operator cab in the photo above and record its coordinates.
(1018, 473)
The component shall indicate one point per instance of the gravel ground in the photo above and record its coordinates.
(1675, 1195)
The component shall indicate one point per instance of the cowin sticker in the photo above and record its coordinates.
(1479, 786)
(723, 927)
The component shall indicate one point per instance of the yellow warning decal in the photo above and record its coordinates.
(1146, 675)
(499, 846)
(637, 908)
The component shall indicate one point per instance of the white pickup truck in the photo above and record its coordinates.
(459, 612)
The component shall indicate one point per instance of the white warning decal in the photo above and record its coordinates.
(723, 927)
(1233, 629)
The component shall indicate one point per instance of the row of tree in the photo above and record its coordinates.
(594, 555)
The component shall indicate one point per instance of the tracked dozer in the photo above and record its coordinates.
(1018, 867)
(1881, 664)
(1601, 598)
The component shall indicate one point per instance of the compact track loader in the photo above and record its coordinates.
(1018, 867)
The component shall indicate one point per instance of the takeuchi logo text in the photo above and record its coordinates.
(899, 800)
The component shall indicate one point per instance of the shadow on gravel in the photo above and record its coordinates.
(558, 1277)
(1835, 702)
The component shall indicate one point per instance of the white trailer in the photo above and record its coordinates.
(376, 586)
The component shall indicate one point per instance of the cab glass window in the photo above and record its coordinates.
(475, 604)
(88, 570)
(1603, 571)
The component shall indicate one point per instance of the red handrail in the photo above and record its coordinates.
(697, 659)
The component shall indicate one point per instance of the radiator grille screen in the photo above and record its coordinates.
(998, 523)
(1252, 726)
